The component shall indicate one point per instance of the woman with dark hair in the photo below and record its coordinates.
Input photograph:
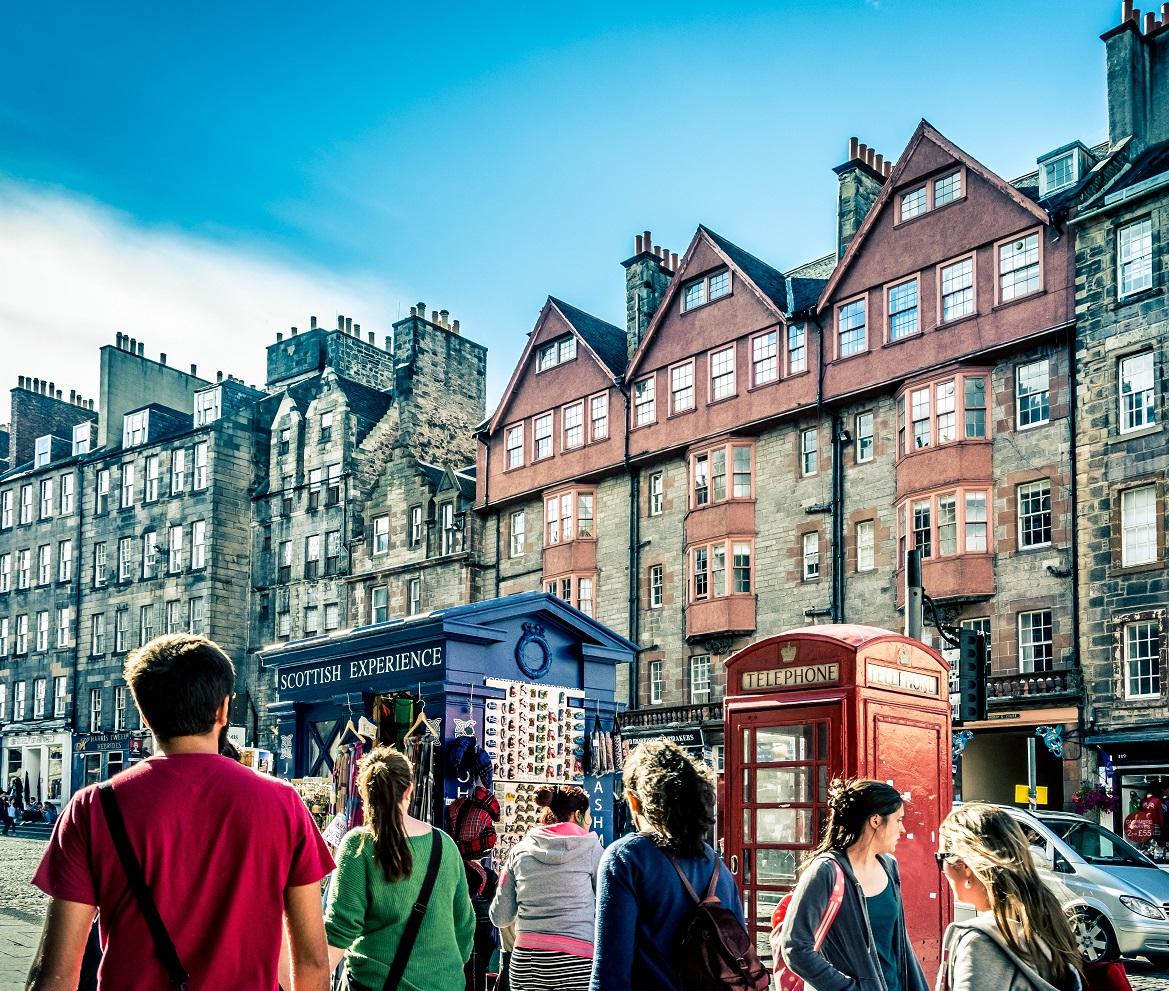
(381, 867)
(1020, 940)
(866, 945)
(643, 907)
(548, 889)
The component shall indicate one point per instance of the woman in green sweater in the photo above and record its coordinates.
(380, 871)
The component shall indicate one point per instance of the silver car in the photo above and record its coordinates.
(1116, 897)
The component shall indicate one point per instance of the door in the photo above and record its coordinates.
(779, 763)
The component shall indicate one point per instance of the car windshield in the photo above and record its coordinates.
(1098, 845)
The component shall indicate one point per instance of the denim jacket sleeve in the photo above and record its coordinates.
(797, 938)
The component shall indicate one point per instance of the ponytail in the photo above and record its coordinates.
(385, 777)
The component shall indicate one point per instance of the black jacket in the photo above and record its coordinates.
(848, 959)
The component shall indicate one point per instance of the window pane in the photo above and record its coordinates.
(1035, 647)
(975, 389)
(1019, 267)
(682, 388)
(947, 188)
(1135, 256)
(922, 531)
(913, 203)
(1033, 391)
(1138, 514)
(1142, 659)
(920, 413)
(903, 310)
(944, 402)
(1137, 407)
(722, 374)
(1035, 514)
(975, 522)
(958, 289)
(720, 284)
(851, 328)
(783, 743)
(765, 358)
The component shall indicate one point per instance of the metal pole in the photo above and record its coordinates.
(913, 601)
(1031, 795)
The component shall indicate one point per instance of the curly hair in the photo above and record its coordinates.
(560, 802)
(676, 795)
(851, 803)
(992, 844)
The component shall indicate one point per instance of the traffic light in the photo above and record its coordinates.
(972, 671)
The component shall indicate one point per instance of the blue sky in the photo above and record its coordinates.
(203, 176)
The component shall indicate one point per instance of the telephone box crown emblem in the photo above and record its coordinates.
(787, 653)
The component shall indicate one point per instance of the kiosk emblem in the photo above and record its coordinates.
(531, 653)
(787, 653)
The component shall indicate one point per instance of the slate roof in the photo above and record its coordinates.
(770, 282)
(607, 340)
(1152, 162)
(364, 402)
(821, 268)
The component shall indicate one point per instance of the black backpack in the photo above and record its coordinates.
(715, 953)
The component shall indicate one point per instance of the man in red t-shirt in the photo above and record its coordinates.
(228, 854)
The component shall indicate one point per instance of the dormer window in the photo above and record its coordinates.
(706, 289)
(83, 438)
(208, 406)
(556, 353)
(134, 428)
(1058, 173)
(946, 188)
(44, 451)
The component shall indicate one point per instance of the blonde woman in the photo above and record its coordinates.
(1020, 939)
(382, 868)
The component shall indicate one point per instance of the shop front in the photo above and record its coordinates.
(991, 756)
(1134, 765)
(518, 691)
(38, 759)
(99, 756)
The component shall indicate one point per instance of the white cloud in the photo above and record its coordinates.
(74, 272)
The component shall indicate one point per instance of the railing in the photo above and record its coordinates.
(1038, 684)
(673, 715)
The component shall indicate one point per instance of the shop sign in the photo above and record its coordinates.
(902, 680)
(687, 739)
(34, 739)
(428, 658)
(797, 677)
(96, 742)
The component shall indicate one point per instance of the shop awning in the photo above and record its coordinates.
(1137, 734)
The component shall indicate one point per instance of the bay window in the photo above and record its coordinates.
(708, 569)
(567, 516)
(708, 472)
(935, 416)
(944, 524)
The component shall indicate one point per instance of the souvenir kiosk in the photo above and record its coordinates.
(527, 678)
(822, 702)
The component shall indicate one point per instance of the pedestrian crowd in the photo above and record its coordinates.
(217, 870)
(15, 810)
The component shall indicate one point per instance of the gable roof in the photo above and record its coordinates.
(606, 340)
(925, 130)
(598, 337)
(768, 284)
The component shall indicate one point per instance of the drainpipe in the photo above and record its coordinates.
(486, 506)
(838, 444)
(634, 553)
(80, 498)
(1073, 400)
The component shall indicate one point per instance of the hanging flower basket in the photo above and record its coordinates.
(1091, 797)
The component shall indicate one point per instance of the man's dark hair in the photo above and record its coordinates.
(179, 682)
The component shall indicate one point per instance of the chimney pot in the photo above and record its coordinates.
(36, 385)
(646, 240)
(444, 317)
(52, 388)
(637, 242)
(280, 336)
(219, 376)
(455, 327)
(162, 358)
(1125, 11)
(73, 395)
(349, 325)
(141, 349)
(371, 338)
(434, 316)
(91, 404)
(421, 311)
(389, 343)
(58, 396)
(194, 369)
(853, 146)
(657, 251)
(357, 330)
(870, 157)
(312, 323)
(293, 331)
(862, 150)
(20, 381)
(674, 261)
(1150, 21)
(879, 164)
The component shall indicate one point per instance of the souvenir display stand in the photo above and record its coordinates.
(526, 680)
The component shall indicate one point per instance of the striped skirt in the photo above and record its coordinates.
(548, 970)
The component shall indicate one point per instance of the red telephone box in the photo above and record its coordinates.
(828, 701)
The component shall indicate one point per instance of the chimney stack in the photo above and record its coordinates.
(162, 358)
(861, 178)
(1138, 78)
(312, 323)
(647, 275)
(194, 369)
(371, 338)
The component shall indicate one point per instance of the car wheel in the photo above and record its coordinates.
(1093, 935)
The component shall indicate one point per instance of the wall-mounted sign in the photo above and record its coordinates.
(688, 739)
(428, 658)
(797, 677)
(902, 680)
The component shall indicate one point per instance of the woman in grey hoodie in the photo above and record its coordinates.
(1020, 940)
(548, 888)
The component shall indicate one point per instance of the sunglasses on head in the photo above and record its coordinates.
(943, 859)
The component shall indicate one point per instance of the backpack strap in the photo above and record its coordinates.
(417, 914)
(710, 888)
(164, 947)
(833, 907)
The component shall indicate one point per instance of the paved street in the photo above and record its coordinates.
(22, 909)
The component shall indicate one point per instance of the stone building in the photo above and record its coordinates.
(40, 522)
(362, 515)
(1121, 459)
